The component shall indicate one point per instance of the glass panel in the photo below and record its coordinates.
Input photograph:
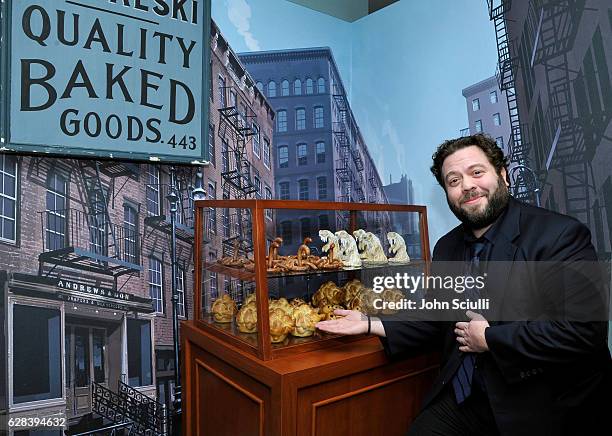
(81, 356)
(139, 353)
(36, 332)
(99, 355)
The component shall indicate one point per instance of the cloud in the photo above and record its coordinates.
(239, 14)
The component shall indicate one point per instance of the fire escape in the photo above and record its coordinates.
(87, 240)
(524, 182)
(238, 176)
(184, 180)
(569, 152)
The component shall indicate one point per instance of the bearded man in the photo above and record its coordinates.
(529, 370)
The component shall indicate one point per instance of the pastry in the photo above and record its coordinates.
(328, 293)
(246, 318)
(281, 325)
(223, 309)
(304, 319)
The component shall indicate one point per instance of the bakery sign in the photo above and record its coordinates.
(74, 291)
(106, 78)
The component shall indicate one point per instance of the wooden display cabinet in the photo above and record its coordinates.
(240, 384)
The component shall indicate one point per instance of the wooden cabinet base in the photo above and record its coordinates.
(351, 389)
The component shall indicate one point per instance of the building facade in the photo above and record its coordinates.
(242, 163)
(320, 152)
(554, 64)
(86, 280)
(487, 111)
(407, 225)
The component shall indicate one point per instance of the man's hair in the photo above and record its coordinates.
(494, 154)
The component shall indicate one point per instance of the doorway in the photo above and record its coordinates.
(86, 362)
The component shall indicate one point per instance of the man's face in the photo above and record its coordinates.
(475, 193)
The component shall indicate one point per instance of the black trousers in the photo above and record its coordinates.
(444, 417)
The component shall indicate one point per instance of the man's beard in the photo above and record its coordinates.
(497, 202)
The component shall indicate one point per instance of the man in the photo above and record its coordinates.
(526, 372)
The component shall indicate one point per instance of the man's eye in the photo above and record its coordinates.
(477, 172)
(453, 182)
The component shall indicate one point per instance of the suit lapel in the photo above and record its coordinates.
(502, 256)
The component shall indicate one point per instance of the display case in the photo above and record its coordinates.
(267, 270)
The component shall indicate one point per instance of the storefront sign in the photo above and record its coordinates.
(84, 293)
(109, 78)
(93, 290)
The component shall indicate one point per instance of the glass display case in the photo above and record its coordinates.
(267, 270)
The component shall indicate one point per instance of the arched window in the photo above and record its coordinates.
(281, 121)
(285, 88)
(283, 156)
(272, 88)
(321, 85)
(309, 86)
(259, 86)
(300, 119)
(297, 87)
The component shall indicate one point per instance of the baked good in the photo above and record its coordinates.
(304, 319)
(246, 318)
(223, 309)
(328, 293)
(281, 325)
(389, 295)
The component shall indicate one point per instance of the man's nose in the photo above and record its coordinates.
(467, 184)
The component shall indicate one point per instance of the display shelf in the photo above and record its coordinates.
(261, 224)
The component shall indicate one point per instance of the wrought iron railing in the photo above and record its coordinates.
(62, 228)
(110, 430)
(152, 414)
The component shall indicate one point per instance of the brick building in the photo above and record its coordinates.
(86, 280)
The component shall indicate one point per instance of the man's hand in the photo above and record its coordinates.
(471, 335)
(352, 323)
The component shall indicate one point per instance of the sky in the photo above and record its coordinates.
(403, 67)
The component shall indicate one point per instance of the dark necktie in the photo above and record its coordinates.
(462, 381)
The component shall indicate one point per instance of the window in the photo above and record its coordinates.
(496, 120)
(475, 104)
(318, 117)
(224, 156)
(259, 86)
(221, 82)
(500, 142)
(303, 189)
(214, 282)
(130, 227)
(283, 189)
(321, 85)
(323, 221)
(180, 291)
(309, 86)
(285, 88)
(281, 121)
(268, 197)
(300, 119)
(286, 233)
(283, 156)
(478, 126)
(211, 143)
(322, 187)
(153, 191)
(256, 140)
(8, 198)
(233, 100)
(140, 356)
(226, 223)
(272, 88)
(266, 152)
(493, 96)
(156, 288)
(257, 182)
(37, 360)
(55, 233)
(305, 227)
(320, 152)
(302, 155)
(212, 212)
(297, 87)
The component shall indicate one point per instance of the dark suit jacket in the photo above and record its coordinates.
(543, 374)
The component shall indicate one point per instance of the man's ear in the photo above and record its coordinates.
(504, 176)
